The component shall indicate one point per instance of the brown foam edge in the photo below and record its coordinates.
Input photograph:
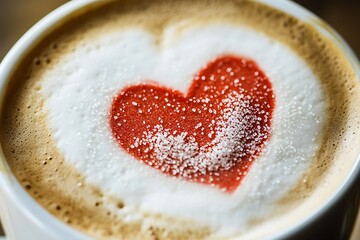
(289, 30)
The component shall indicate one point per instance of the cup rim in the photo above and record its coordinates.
(9, 186)
(19, 197)
(329, 32)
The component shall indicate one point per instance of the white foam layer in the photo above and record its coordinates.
(79, 92)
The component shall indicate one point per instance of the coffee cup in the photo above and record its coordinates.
(25, 210)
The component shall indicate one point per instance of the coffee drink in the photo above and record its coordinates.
(182, 120)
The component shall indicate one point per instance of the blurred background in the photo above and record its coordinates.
(17, 16)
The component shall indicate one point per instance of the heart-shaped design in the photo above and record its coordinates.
(210, 135)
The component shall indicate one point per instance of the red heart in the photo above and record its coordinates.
(211, 135)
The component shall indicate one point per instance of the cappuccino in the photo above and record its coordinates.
(138, 119)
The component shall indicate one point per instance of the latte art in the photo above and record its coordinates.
(150, 119)
(210, 135)
(109, 63)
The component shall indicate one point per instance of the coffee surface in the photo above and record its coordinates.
(58, 140)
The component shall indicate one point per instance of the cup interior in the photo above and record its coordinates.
(12, 190)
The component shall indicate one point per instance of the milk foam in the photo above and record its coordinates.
(80, 88)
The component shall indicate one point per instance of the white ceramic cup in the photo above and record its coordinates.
(23, 218)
